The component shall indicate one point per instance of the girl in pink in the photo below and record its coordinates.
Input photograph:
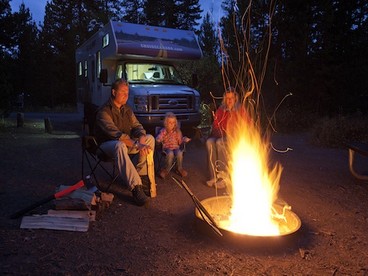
(171, 138)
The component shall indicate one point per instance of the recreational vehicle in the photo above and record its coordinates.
(146, 57)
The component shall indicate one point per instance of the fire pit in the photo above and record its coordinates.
(219, 209)
(252, 182)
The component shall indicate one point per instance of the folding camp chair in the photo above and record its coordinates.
(160, 154)
(93, 155)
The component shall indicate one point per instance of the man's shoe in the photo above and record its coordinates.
(163, 173)
(139, 196)
(182, 172)
(146, 183)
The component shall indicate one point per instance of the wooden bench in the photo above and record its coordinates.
(362, 149)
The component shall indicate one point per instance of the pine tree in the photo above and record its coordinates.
(161, 13)
(58, 51)
(67, 25)
(189, 13)
(7, 33)
(7, 41)
(25, 66)
(133, 11)
(208, 37)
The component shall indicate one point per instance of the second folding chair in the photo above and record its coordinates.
(93, 155)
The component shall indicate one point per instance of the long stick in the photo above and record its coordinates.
(202, 210)
(60, 194)
(151, 174)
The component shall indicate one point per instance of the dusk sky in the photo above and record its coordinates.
(37, 8)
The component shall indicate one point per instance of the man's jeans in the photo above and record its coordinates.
(129, 173)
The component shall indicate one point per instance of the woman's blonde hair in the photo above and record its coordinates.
(228, 91)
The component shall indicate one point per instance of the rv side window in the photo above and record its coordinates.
(105, 40)
(85, 68)
(98, 66)
(93, 70)
(80, 68)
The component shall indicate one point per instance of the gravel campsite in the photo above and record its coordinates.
(166, 238)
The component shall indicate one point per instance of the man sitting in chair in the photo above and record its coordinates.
(119, 133)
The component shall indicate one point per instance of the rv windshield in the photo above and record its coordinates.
(152, 73)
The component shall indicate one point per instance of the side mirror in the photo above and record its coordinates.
(194, 80)
(103, 76)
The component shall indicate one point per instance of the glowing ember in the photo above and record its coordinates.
(254, 187)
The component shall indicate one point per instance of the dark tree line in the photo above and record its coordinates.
(40, 60)
(316, 50)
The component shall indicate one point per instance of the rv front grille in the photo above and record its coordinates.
(165, 103)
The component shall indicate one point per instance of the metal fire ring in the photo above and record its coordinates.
(218, 206)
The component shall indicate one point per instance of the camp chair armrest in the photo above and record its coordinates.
(183, 146)
(89, 143)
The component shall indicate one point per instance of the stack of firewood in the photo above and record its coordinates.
(71, 213)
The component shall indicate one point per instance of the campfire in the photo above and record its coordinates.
(252, 207)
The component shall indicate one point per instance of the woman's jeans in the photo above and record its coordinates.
(216, 156)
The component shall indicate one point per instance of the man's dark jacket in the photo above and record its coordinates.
(113, 123)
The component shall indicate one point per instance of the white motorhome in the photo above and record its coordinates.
(145, 56)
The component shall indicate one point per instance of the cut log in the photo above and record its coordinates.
(71, 204)
(55, 223)
(108, 197)
(91, 215)
(151, 174)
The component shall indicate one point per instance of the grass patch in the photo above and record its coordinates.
(64, 108)
(288, 120)
(339, 130)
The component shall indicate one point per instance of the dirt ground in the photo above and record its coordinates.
(165, 238)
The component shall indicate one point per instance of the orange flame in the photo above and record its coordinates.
(254, 187)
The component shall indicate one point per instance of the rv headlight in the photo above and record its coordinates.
(141, 103)
(197, 102)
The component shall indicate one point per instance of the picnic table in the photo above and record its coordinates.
(362, 149)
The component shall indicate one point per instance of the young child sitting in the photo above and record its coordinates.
(171, 138)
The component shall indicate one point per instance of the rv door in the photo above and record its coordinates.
(103, 76)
